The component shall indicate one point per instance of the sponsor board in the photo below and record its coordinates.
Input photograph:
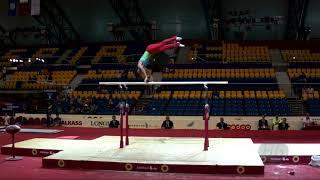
(149, 168)
(101, 124)
(46, 152)
(180, 122)
(71, 123)
(289, 159)
(277, 159)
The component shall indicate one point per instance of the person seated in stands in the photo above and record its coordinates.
(93, 108)
(6, 120)
(1, 121)
(263, 124)
(114, 123)
(110, 104)
(49, 120)
(50, 77)
(309, 90)
(124, 74)
(86, 106)
(67, 90)
(275, 122)
(3, 73)
(20, 120)
(222, 124)
(99, 71)
(307, 121)
(59, 105)
(57, 120)
(167, 124)
(32, 79)
(303, 78)
(72, 110)
(168, 70)
(119, 105)
(12, 120)
(283, 125)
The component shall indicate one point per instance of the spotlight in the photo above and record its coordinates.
(293, 57)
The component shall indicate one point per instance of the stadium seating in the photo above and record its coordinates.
(188, 74)
(253, 88)
(5, 63)
(50, 55)
(104, 103)
(38, 80)
(116, 95)
(240, 76)
(109, 73)
(312, 76)
(214, 54)
(8, 85)
(229, 52)
(304, 73)
(300, 55)
(312, 101)
(45, 53)
(251, 103)
(110, 54)
(312, 73)
(233, 52)
(14, 54)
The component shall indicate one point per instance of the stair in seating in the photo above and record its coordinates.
(284, 83)
(64, 56)
(296, 106)
(141, 104)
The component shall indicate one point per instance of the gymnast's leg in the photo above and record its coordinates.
(170, 46)
(171, 40)
(164, 45)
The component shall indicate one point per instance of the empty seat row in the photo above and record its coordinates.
(308, 72)
(116, 95)
(306, 95)
(277, 94)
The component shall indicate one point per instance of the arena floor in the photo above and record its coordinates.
(77, 137)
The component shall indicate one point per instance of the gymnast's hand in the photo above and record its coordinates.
(146, 80)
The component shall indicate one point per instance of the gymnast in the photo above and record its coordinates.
(151, 51)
